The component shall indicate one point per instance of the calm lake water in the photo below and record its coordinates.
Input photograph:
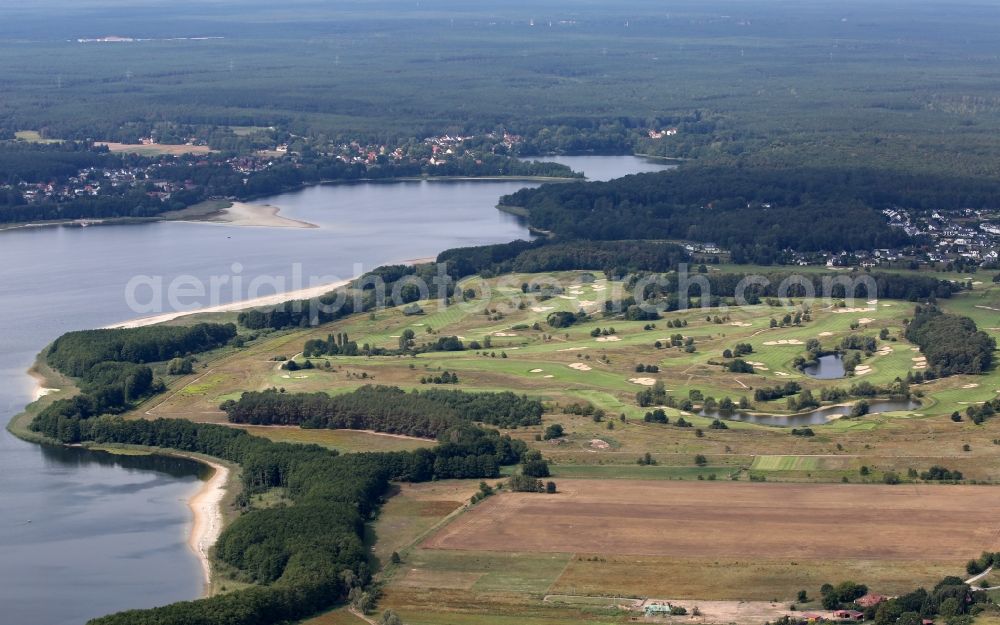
(109, 533)
(829, 367)
(814, 417)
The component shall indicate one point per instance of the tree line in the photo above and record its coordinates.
(614, 258)
(311, 555)
(787, 284)
(75, 353)
(425, 414)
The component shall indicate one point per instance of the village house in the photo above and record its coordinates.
(849, 615)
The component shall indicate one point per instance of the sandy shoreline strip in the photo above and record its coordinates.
(206, 508)
(265, 300)
(256, 302)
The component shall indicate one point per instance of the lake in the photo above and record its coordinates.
(829, 367)
(108, 533)
(813, 417)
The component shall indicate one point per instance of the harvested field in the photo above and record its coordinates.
(155, 149)
(735, 520)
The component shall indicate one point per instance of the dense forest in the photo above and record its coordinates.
(614, 258)
(310, 555)
(75, 353)
(33, 162)
(952, 344)
(113, 372)
(755, 212)
(580, 74)
(425, 414)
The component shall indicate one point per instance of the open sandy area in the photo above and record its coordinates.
(254, 215)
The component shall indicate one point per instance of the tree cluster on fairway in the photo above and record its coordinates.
(952, 343)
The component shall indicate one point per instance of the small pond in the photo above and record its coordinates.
(829, 367)
(813, 417)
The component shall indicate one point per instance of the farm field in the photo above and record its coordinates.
(156, 149)
(510, 581)
(733, 520)
(344, 441)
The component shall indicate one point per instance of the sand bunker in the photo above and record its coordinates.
(643, 381)
(865, 320)
(970, 385)
(826, 334)
(548, 376)
(541, 309)
(572, 349)
(741, 324)
(579, 366)
(566, 297)
(608, 339)
(536, 370)
(840, 311)
(785, 342)
(599, 444)
(862, 370)
(782, 374)
(504, 334)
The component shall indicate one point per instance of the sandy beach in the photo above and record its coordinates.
(257, 302)
(207, 526)
(40, 390)
(265, 300)
(256, 215)
(242, 214)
